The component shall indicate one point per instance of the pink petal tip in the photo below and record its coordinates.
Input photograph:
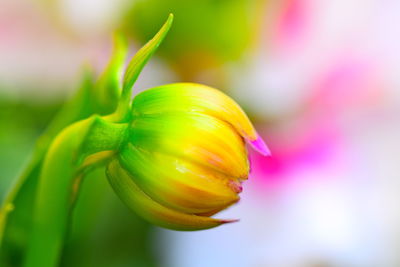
(229, 221)
(235, 186)
(260, 146)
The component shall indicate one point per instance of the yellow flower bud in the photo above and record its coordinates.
(184, 154)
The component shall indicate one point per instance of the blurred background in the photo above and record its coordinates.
(319, 78)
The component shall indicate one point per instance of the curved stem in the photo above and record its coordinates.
(58, 185)
(72, 111)
(99, 98)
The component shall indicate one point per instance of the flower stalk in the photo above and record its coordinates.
(59, 183)
(64, 163)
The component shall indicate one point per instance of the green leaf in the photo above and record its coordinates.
(107, 90)
(140, 59)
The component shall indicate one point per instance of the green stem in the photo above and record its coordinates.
(79, 146)
(72, 111)
(101, 98)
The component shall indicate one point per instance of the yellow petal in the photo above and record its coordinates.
(196, 137)
(152, 211)
(178, 183)
(191, 97)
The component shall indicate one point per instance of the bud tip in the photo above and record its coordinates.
(229, 221)
(260, 146)
(235, 186)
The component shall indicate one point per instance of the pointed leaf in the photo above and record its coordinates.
(140, 59)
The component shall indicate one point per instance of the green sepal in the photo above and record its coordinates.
(136, 65)
(108, 89)
(101, 136)
(140, 59)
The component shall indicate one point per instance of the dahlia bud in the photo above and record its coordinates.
(176, 155)
(184, 156)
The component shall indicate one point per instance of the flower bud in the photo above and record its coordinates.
(184, 156)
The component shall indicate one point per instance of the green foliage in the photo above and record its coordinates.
(42, 178)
